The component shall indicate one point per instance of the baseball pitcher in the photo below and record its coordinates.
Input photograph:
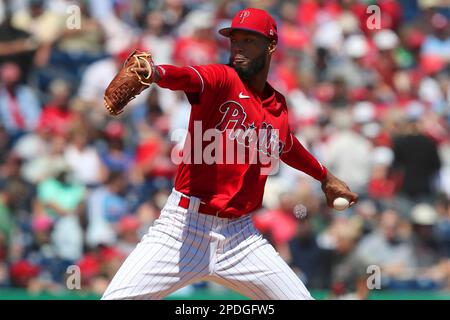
(205, 230)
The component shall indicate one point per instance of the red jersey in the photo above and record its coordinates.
(223, 103)
(55, 119)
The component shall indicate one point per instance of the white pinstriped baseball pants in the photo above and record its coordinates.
(183, 247)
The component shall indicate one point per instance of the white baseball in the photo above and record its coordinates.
(340, 203)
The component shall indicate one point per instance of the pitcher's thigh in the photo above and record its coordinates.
(261, 274)
(151, 271)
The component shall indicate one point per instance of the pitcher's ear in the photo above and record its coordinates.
(272, 46)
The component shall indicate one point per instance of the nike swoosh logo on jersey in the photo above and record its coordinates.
(242, 96)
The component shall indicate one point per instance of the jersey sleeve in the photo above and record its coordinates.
(212, 77)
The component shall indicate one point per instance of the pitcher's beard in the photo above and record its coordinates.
(254, 66)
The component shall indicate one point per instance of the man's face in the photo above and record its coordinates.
(389, 224)
(10, 74)
(248, 53)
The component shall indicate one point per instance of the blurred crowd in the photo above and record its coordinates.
(368, 97)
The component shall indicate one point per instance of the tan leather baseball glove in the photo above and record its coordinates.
(128, 82)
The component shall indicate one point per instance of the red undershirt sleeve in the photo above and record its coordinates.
(299, 158)
(194, 79)
(180, 78)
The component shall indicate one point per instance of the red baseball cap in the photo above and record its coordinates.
(252, 19)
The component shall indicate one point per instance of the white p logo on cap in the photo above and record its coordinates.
(244, 14)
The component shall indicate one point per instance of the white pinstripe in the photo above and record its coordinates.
(245, 287)
(184, 246)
